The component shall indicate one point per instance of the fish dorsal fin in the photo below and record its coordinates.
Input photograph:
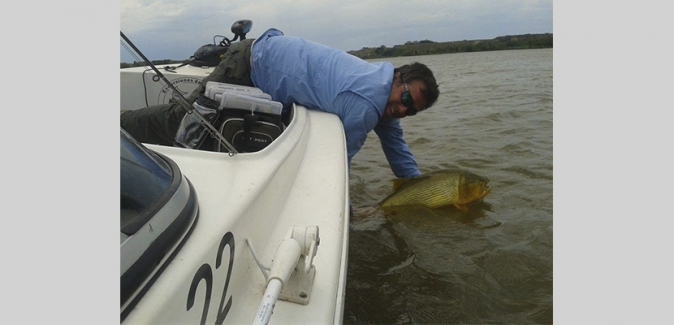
(399, 181)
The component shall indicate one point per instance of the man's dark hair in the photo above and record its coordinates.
(419, 71)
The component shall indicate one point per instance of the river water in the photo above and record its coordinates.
(494, 263)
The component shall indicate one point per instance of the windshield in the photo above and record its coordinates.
(144, 179)
(158, 209)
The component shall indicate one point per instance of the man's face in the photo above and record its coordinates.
(395, 107)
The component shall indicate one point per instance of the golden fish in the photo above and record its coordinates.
(438, 189)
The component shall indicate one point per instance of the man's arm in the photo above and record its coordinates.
(395, 148)
(358, 118)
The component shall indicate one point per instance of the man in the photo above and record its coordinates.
(365, 96)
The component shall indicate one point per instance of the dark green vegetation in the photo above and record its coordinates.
(426, 47)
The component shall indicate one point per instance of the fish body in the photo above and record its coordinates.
(438, 189)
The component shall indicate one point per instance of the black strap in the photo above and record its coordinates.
(172, 69)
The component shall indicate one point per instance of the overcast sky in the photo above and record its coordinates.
(175, 29)
(613, 130)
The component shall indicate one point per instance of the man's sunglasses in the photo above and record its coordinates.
(407, 100)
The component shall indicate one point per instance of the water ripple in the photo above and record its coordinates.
(493, 264)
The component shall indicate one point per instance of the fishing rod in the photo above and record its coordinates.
(183, 102)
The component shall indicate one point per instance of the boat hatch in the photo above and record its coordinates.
(158, 208)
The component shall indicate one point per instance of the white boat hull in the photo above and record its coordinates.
(140, 87)
(301, 179)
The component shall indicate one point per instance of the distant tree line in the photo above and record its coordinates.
(428, 47)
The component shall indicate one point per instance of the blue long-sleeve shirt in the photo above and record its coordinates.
(294, 70)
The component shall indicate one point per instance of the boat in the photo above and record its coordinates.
(230, 237)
